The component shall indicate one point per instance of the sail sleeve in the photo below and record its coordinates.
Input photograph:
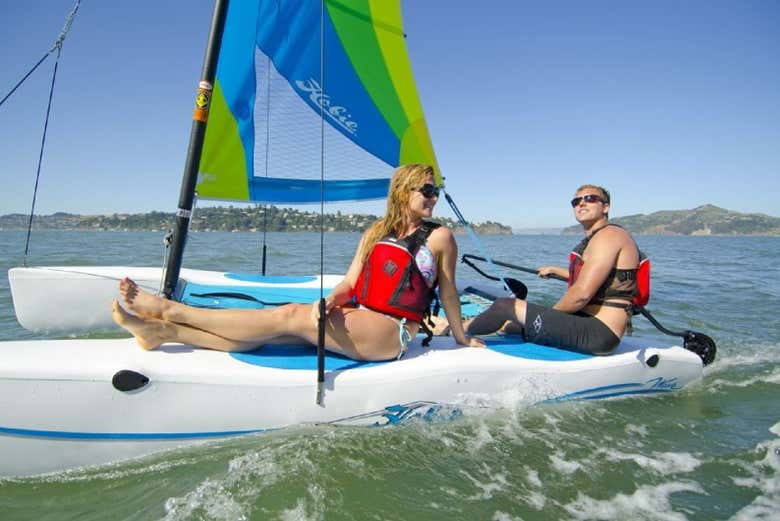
(309, 90)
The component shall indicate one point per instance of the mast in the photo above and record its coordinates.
(197, 135)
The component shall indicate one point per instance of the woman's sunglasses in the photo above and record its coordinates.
(429, 191)
(588, 198)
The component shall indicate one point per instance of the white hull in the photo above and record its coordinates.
(74, 299)
(59, 409)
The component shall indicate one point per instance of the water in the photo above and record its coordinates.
(711, 452)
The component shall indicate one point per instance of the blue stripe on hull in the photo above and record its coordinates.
(596, 393)
(141, 436)
(571, 398)
(652, 386)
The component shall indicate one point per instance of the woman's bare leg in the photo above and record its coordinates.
(152, 332)
(141, 302)
(359, 334)
(441, 327)
(244, 325)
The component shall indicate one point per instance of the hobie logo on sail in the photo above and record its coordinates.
(337, 113)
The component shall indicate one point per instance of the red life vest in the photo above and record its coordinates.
(642, 296)
(391, 282)
(638, 288)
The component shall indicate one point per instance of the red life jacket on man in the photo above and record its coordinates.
(391, 282)
(626, 284)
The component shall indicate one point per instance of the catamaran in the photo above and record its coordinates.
(282, 82)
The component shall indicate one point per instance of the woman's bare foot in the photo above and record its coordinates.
(440, 325)
(149, 333)
(141, 302)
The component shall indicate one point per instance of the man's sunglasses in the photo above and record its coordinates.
(588, 198)
(429, 191)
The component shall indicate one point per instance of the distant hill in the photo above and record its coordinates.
(537, 231)
(703, 220)
(230, 219)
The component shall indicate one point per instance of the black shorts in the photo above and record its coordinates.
(576, 332)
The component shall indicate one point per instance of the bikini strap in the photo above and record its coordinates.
(420, 236)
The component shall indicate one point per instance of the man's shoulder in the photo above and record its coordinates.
(615, 231)
(611, 234)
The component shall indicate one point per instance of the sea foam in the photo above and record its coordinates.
(647, 502)
(765, 476)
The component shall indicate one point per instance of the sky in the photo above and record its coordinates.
(668, 104)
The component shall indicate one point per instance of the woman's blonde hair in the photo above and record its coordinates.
(405, 180)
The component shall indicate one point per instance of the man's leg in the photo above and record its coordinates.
(494, 317)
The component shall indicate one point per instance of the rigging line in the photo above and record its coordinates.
(57, 45)
(322, 149)
(475, 239)
(25, 77)
(267, 148)
(66, 27)
(321, 303)
(78, 272)
(40, 155)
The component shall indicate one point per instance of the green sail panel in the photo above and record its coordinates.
(222, 174)
(374, 28)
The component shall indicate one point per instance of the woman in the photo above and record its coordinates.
(357, 332)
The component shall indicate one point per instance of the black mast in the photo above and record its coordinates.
(197, 134)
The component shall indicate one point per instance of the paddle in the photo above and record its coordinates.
(500, 263)
(519, 289)
(699, 343)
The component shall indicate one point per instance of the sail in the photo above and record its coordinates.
(308, 90)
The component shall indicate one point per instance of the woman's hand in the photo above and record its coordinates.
(473, 341)
(315, 310)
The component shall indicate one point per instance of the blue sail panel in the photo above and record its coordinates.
(290, 108)
(302, 191)
(291, 34)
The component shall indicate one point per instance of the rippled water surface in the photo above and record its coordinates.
(711, 452)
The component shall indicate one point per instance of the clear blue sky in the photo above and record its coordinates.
(669, 104)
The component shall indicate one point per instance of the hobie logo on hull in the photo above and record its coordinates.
(337, 113)
(666, 384)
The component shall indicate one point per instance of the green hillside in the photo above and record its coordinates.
(230, 219)
(703, 220)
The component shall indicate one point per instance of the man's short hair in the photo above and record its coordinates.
(604, 191)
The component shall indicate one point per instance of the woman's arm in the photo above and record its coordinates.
(342, 293)
(444, 247)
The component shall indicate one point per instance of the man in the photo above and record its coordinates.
(592, 315)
